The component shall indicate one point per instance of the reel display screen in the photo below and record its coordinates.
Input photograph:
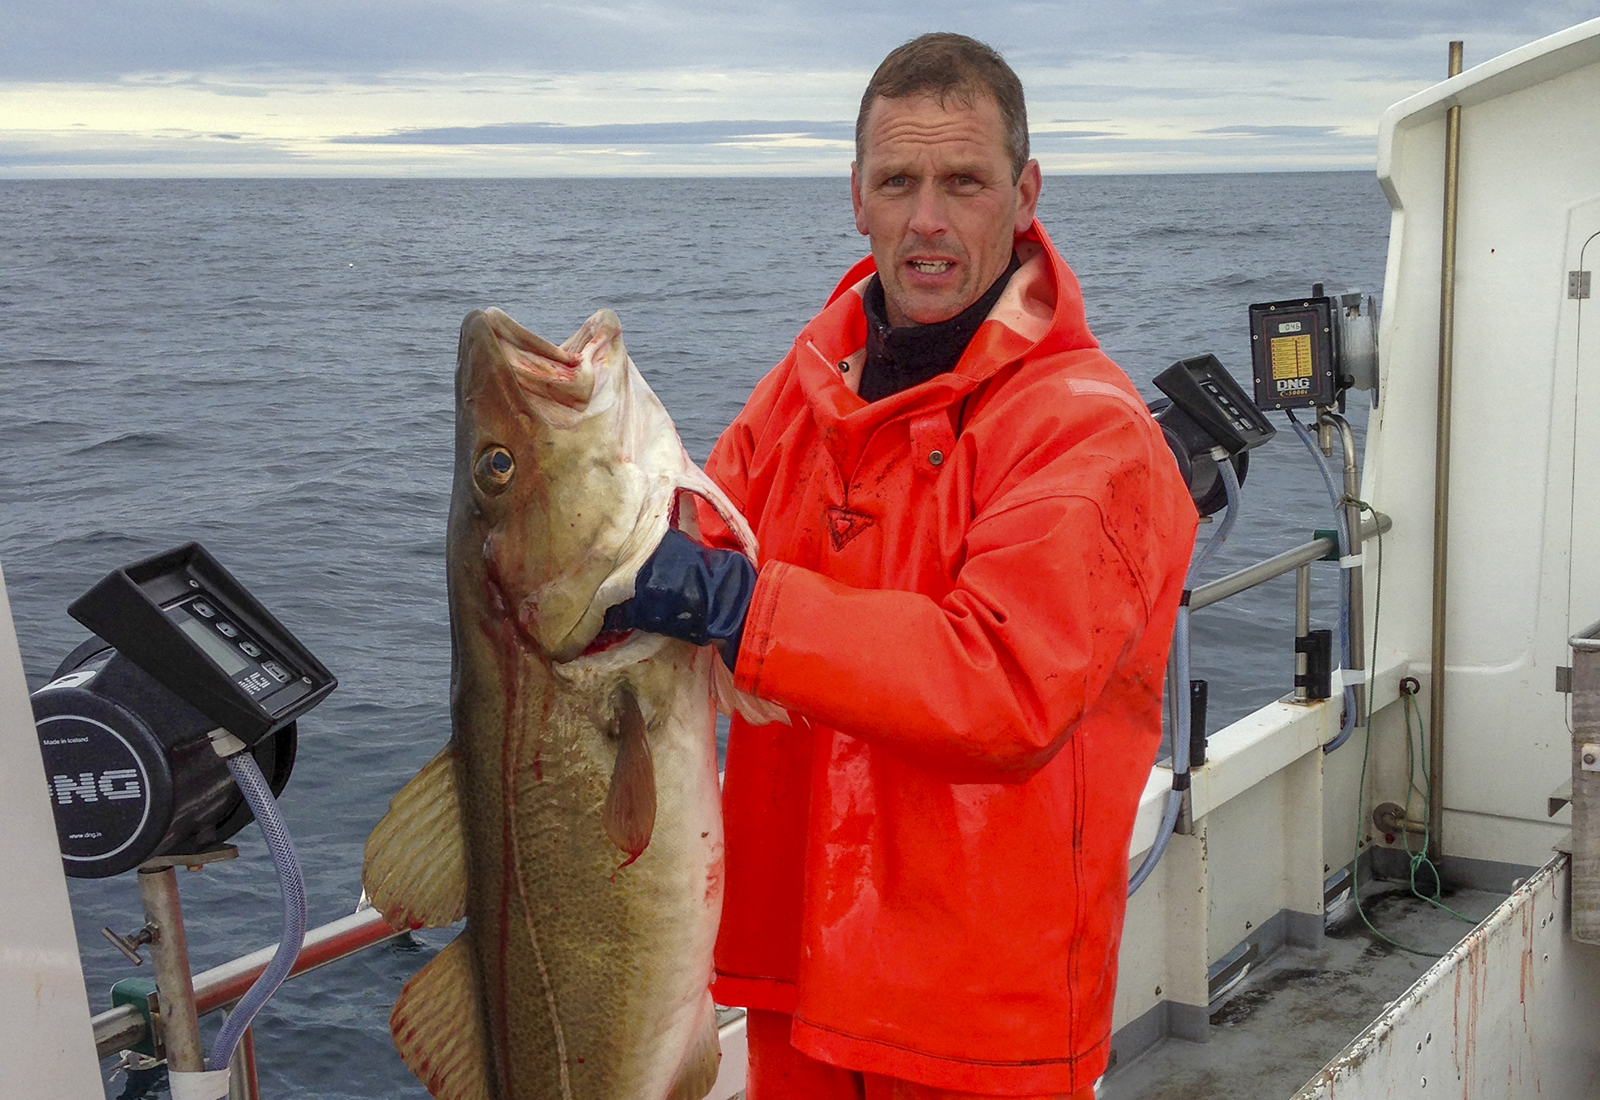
(252, 667)
(184, 619)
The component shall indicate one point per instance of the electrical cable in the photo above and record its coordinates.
(1180, 753)
(1350, 719)
(1179, 684)
(1420, 859)
(1361, 789)
(1415, 859)
(247, 774)
(1214, 541)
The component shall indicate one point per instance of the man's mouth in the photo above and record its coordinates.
(931, 267)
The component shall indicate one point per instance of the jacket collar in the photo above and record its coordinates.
(1040, 311)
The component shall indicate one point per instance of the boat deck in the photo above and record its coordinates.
(1293, 1012)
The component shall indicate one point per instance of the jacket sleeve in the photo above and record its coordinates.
(1059, 580)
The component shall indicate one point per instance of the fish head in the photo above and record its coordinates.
(548, 495)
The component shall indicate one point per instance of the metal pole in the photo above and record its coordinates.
(1277, 565)
(1352, 515)
(1302, 627)
(121, 1027)
(1441, 466)
(169, 952)
(242, 1081)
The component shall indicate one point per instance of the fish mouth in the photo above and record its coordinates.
(604, 641)
(609, 651)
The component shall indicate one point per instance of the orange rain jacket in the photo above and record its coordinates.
(966, 595)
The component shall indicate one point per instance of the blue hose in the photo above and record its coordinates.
(1169, 825)
(1348, 725)
(1230, 483)
(247, 773)
(1181, 715)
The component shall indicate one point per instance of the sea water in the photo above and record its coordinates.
(266, 367)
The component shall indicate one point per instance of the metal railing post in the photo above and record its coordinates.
(1353, 570)
(242, 1081)
(1302, 627)
(121, 1027)
(169, 954)
(1441, 467)
(1277, 565)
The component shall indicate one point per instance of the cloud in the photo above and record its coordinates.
(108, 39)
(1037, 136)
(96, 153)
(1241, 130)
(665, 86)
(641, 133)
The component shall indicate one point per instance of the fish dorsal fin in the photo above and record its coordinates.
(438, 1026)
(699, 1072)
(630, 811)
(415, 867)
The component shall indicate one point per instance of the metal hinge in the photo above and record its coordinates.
(1578, 284)
(1564, 679)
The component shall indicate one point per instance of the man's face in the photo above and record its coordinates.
(935, 195)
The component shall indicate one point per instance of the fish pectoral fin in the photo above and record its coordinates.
(730, 700)
(699, 1070)
(415, 867)
(438, 1026)
(630, 811)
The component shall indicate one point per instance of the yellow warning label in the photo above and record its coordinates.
(1291, 357)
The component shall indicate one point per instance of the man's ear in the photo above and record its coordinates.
(1028, 186)
(855, 198)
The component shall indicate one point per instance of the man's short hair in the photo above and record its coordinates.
(950, 66)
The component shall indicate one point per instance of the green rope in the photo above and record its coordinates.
(1420, 859)
(1361, 789)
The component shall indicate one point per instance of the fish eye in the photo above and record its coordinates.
(493, 469)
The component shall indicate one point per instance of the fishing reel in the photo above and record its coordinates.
(185, 669)
(1207, 419)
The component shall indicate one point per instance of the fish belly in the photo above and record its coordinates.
(594, 970)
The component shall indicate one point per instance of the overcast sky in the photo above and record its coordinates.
(462, 88)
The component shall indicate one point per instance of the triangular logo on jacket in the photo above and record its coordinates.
(844, 524)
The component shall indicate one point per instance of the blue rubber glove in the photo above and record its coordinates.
(695, 593)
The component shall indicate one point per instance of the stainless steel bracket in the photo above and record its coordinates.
(1586, 785)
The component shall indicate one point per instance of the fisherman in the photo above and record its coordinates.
(973, 545)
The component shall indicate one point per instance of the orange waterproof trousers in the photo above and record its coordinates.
(780, 1072)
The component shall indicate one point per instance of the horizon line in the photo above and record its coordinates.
(40, 177)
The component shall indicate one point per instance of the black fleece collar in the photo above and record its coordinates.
(899, 358)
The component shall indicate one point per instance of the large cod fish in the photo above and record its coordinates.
(574, 816)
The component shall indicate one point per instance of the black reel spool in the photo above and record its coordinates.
(130, 767)
(1191, 450)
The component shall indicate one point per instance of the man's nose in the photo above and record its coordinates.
(928, 216)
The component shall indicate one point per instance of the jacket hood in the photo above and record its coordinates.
(1040, 313)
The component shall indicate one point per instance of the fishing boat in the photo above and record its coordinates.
(1385, 883)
